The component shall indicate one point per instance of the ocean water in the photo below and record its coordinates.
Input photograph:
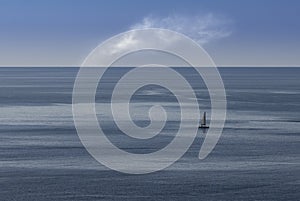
(256, 158)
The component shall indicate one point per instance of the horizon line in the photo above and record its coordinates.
(78, 66)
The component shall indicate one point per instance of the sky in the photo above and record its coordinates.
(234, 33)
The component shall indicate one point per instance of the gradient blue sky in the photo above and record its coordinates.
(63, 32)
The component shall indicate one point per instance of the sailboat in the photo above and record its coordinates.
(203, 122)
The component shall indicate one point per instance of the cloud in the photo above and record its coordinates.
(203, 29)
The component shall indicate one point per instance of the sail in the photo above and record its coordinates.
(203, 120)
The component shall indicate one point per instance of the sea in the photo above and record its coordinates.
(257, 156)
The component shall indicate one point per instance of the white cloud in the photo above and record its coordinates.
(203, 29)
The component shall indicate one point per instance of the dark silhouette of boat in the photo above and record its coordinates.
(203, 122)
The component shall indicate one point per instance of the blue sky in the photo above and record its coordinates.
(235, 33)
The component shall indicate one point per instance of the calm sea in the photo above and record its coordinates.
(257, 157)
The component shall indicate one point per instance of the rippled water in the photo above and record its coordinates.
(257, 157)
